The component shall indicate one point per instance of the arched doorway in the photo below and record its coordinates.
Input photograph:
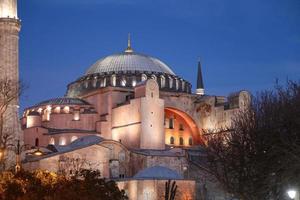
(180, 129)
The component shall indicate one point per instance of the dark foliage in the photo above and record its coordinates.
(259, 156)
(40, 185)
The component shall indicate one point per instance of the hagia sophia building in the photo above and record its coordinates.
(129, 116)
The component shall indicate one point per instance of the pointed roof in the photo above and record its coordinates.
(129, 49)
(200, 83)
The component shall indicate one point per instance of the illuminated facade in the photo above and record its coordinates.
(129, 116)
(129, 113)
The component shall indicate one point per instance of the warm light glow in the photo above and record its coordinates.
(40, 110)
(123, 82)
(48, 108)
(292, 193)
(57, 110)
(8, 8)
(38, 153)
(62, 141)
(66, 109)
(133, 83)
(74, 138)
(52, 141)
(76, 116)
(1, 154)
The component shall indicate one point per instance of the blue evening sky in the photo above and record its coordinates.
(243, 44)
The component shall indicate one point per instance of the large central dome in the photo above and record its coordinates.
(126, 70)
(129, 61)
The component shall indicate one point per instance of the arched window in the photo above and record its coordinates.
(177, 84)
(180, 141)
(144, 77)
(162, 81)
(46, 114)
(66, 109)
(123, 81)
(76, 115)
(62, 141)
(36, 142)
(103, 82)
(113, 80)
(95, 82)
(181, 127)
(170, 82)
(73, 138)
(52, 141)
(86, 84)
(133, 83)
(172, 141)
(171, 123)
(190, 141)
(154, 77)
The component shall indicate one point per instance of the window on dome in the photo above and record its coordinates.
(123, 81)
(144, 77)
(57, 110)
(113, 80)
(133, 81)
(177, 84)
(171, 82)
(46, 114)
(66, 109)
(154, 77)
(95, 82)
(183, 85)
(86, 84)
(162, 81)
(103, 82)
(190, 141)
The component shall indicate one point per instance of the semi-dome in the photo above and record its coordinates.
(157, 172)
(63, 101)
(129, 61)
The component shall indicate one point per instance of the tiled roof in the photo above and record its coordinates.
(129, 62)
(63, 101)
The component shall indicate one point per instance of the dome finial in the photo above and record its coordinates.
(129, 49)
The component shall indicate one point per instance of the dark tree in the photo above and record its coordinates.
(10, 91)
(258, 157)
(41, 185)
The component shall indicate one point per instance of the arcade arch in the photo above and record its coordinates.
(180, 129)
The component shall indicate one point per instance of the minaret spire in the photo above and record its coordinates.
(129, 49)
(200, 85)
(10, 27)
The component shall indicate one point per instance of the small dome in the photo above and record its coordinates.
(157, 172)
(129, 61)
(63, 101)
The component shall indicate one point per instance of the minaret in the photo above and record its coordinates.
(9, 68)
(200, 85)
